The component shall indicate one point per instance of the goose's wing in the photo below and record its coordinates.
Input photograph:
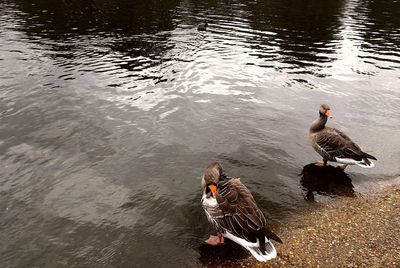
(336, 144)
(240, 215)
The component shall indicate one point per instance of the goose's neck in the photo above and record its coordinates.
(318, 124)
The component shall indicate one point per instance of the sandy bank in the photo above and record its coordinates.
(348, 232)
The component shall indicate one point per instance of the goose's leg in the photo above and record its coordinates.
(215, 240)
(221, 238)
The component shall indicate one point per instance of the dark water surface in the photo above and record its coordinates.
(110, 111)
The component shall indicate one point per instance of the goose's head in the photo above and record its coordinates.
(325, 111)
(210, 178)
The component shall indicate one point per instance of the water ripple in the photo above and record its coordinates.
(109, 110)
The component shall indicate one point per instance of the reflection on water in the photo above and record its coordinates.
(307, 41)
(329, 180)
(110, 110)
(381, 34)
(229, 253)
(215, 256)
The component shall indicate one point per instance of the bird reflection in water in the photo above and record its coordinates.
(329, 181)
(228, 253)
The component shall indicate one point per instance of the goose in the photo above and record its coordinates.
(202, 26)
(231, 209)
(335, 146)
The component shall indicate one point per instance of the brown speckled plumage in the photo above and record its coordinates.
(331, 143)
(236, 211)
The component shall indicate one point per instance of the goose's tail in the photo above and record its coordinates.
(366, 163)
(262, 249)
(267, 254)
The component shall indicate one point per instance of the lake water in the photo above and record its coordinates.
(111, 110)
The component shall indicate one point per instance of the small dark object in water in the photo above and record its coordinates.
(202, 26)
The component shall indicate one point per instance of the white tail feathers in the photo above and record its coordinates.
(270, 252)
(365, 163)
(254, 248)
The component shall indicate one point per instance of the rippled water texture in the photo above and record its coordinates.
(110, 111)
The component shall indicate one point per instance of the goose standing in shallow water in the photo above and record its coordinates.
(231, 208)
(335, 146)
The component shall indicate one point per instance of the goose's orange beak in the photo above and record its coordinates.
(213, 189)
(329, 113)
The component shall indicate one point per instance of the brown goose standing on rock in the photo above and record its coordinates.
(231, 208)
(335, 146)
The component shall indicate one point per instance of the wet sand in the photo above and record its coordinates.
(348, 232)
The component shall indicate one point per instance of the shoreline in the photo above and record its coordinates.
(347, 232)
